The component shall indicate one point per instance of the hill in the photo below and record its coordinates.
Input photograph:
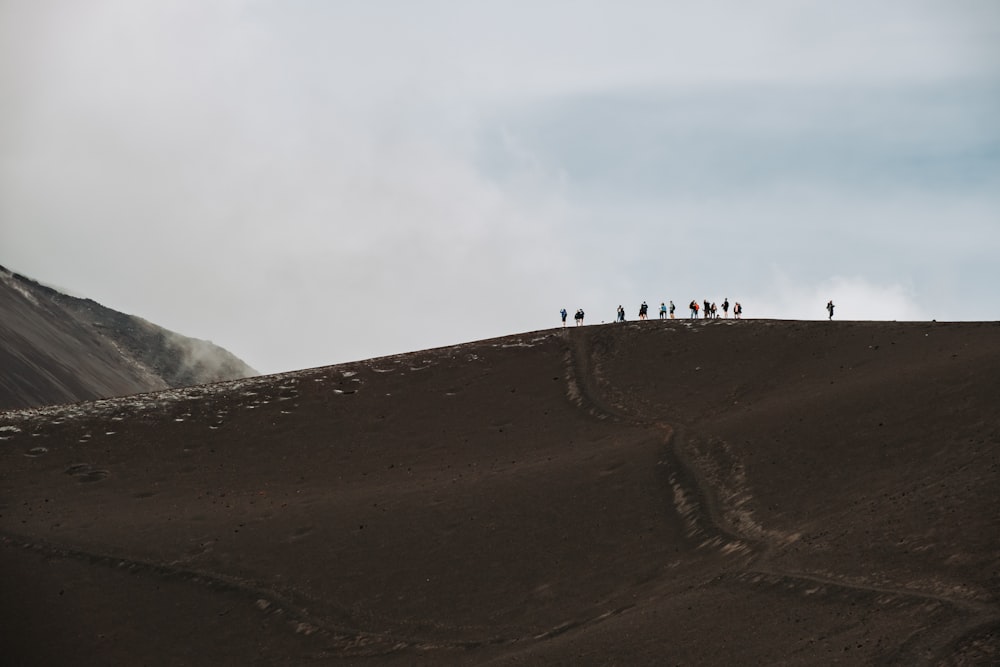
(678, 492)
(61, 349)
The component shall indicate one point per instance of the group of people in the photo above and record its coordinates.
(578, 317)
(644, 311)
(707, 309)
(711, 311)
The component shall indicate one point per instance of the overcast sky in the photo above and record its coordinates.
(307, 182)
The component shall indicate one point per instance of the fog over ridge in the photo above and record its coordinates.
(362, 183)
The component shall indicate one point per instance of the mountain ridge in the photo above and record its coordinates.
(61, 349)
(681, 492)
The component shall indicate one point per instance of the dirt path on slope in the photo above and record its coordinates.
(714, 499)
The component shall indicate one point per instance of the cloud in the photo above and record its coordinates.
(854, 297)
(668, 143)
(307, 182)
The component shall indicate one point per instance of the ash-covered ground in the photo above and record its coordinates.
(681, 492)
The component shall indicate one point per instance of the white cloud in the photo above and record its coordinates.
(307, 182)
(854, 298)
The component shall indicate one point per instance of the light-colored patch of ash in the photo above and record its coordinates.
(724, 470)
(258, 389)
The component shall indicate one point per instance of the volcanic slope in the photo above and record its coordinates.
(649, 493)
(56, 348)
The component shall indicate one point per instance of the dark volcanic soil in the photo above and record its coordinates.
(723, 492)
(56, 348)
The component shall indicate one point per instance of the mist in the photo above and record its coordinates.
(305, 184)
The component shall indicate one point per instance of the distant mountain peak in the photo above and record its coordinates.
(60, 349)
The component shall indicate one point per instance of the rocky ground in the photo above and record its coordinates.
(721, 492)
(56, 348)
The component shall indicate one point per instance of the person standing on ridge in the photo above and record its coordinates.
(694, 309)
(563, 313)
(737, 310)
(663, 311)
(672, 307)
(707, 313)
(643, 309)
(829, 308)
(725, 308)
(579, 317)
(621, 313)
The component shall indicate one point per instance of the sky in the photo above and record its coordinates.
(309, 182)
